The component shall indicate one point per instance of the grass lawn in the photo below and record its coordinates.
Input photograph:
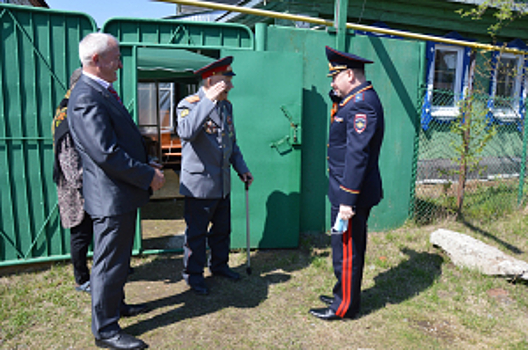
(413, 298)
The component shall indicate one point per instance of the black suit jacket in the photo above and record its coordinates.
(116, 176)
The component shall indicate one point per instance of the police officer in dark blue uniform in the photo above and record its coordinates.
(209, 149)
(356, 134)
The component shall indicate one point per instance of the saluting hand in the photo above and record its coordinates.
(216, 90)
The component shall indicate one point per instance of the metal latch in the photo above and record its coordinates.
(295, 128)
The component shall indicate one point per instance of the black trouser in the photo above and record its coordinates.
(348, 256)
(113, 241)
(198, 214)
(80, 239)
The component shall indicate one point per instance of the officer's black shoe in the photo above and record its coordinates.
(199, 288)
(127, 310)
(121, 341)
(326, 299)
(326, 314)
(227, 273)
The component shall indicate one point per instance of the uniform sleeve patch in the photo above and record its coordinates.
(184, 113)
(360, 123)
(193, 99)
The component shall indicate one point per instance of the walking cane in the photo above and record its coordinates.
(248, 269)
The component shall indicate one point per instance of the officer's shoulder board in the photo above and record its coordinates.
(192, 99)
(357, 97)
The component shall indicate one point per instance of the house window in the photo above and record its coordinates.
(507, 86)
(446, 81)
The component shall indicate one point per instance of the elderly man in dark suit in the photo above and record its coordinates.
(355, 137)
(209, 148)
(117, 181)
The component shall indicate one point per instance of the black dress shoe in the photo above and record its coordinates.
(199, 288)
(121, 341)
(326, 314)
(326, 299)
(132, 310)
(227, 273)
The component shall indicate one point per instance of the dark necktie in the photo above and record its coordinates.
(113, 92)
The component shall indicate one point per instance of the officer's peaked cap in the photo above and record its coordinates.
(218, 67)
(339, 61)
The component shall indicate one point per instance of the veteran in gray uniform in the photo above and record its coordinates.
(209, 148)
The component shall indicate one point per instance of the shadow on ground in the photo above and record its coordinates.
(491, 236)
(179, 303)
(402, 282)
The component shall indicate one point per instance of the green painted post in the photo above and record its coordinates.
(523, 168)
(340, 21)
(417, 130)
(261, 36)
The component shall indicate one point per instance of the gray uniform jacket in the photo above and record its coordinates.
(116, 174)
(209, 147)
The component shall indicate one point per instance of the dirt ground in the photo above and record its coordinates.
(180, 319)
(162, 224)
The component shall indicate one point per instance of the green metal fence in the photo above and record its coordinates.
(495, 175)
(38, 52)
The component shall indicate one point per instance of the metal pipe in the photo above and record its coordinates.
(251, 11)
(8, 263)
(523, 167)
(161, 251)
(320, 21)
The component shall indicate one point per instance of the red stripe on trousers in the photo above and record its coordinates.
(346, 271)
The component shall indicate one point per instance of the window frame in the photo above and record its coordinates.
(513, 113)
(155, 90)
(447, 112)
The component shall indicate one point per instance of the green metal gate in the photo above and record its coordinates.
(267, 101)
(39, 51)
